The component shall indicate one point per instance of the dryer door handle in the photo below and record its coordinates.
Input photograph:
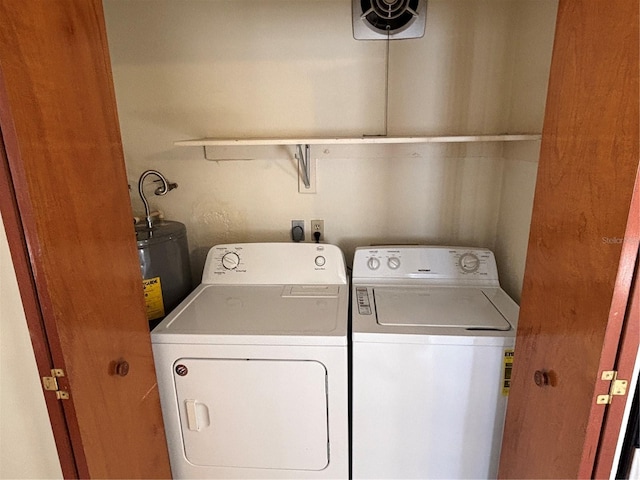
(197, 415)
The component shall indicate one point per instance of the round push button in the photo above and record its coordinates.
(320, 261)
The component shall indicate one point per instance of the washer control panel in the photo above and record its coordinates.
(362, 298)
(426, 262)
(275, 263)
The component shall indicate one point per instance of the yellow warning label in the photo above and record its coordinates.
(506, 371)
(153, 298)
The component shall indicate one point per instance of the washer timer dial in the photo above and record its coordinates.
(393, 263)
(469, 263)
(230, 260)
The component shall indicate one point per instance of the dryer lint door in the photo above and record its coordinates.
(246, 413)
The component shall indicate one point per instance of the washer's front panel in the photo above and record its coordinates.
(428, 411)
(253, 413)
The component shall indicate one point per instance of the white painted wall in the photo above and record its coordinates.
(27, 448)
(516, 201)
(531, 42)
(246, 68)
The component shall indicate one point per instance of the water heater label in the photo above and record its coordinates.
(153, 298)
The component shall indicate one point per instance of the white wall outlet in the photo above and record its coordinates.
(317, 230)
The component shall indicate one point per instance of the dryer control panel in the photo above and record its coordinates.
(435, 264)
(275, 264)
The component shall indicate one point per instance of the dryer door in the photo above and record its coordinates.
(253, 413)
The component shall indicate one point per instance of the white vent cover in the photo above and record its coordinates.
(392, 19)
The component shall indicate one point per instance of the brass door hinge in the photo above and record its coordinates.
(51, 384)
(618, 387)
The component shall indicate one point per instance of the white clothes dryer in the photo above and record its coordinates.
(252, 365)
(433, 337)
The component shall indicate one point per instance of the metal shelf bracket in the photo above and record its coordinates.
(306, 169)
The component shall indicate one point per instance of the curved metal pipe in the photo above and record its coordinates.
(165, 187)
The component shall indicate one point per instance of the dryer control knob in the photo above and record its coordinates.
(373, 263)
(393, 263)
(230, 260)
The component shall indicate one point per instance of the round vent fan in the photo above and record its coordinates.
(378, 19)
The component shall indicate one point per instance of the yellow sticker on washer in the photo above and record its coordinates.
(153, 298)
(506, 371)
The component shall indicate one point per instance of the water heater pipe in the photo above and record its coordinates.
(161, 190)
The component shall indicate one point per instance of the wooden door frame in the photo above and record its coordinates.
(33, 314)
(620, 349)
(623, 359)
(625, 364)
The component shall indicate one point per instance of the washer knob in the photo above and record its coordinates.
(320, 261)
(469, 262)
(393, 263)
(373, 263)
(230, 260)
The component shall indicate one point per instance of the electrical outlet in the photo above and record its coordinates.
(297, 230)
(317, 230)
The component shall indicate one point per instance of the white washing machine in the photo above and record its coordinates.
(433, 336)
(252, 365)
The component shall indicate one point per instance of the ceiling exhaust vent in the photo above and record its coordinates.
(388, 19)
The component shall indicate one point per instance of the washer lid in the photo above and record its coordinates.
(468, 308)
